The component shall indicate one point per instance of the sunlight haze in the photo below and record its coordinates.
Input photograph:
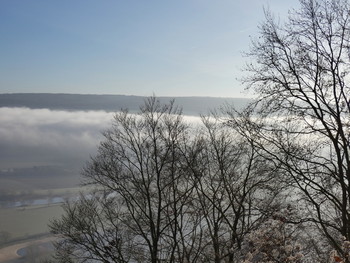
(169, 48)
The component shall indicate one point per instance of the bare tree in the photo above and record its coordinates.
(141, 195)
(232, 189)
(91, 229)
(163, 191)
(300, 72)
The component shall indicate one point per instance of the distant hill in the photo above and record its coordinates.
(190, 105)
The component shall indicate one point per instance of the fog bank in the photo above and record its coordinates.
(30, 137)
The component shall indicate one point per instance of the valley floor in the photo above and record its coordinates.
(10, 253)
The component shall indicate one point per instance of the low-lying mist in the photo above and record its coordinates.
(35, 137)
(39, 137)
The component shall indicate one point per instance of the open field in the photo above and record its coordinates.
(26, 227)
(24, 222)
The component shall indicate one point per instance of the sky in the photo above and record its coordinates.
(129, 47)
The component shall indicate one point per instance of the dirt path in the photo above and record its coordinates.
(10, 252)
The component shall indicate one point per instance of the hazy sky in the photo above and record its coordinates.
(165, 47)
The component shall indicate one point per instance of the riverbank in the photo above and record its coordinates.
(10, 253)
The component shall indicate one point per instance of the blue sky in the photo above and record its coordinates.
(165, 47)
